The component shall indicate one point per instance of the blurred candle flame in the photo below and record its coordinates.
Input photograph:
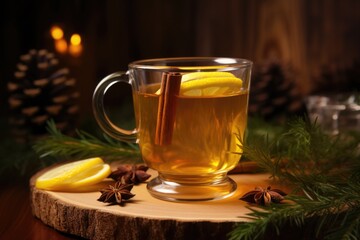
(61, 46)
(75, 48)
(56, 32)
(75, 39)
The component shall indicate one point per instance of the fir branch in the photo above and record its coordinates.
(303, 147)
(327, 214)
(86, 145)
(325, 173)
(263, 220)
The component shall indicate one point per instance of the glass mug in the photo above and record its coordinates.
(191, 114)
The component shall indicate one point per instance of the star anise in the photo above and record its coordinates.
(116, 194)
(131, 174)
(264, 197)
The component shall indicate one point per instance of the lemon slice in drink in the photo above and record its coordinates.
(74, 175)
(202, 75)
(209, 84)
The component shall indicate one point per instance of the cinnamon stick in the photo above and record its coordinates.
(169, 90)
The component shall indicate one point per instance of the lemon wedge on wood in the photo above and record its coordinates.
(74, 175)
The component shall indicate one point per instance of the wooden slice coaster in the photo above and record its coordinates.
(142, 217)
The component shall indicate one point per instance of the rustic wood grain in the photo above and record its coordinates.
(143, 217)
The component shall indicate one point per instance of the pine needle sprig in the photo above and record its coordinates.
(327, 216)
(324, 172)
(86, 145)
(303, 147)
(267, 220)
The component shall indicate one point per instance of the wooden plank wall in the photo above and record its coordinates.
(305, 34)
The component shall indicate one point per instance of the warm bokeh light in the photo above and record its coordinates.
(56, 32)
(73, 47)
(75, 50)
(75, 39)
(61, 46)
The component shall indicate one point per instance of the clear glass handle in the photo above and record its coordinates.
(99, 111)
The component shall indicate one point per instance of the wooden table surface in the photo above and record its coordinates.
(16, 219)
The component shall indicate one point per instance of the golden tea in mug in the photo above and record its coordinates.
(191, 115)
(206, 138)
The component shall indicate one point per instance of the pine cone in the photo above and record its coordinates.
(273, 93)
(41, 90)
